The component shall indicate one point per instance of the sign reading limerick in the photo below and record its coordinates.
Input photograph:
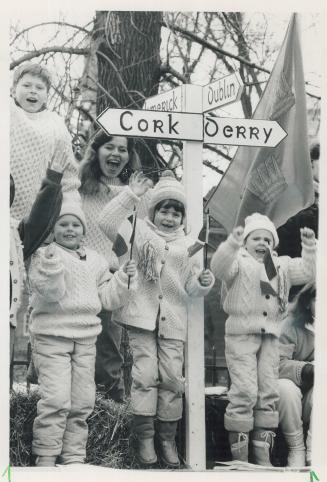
(242, 132)
(170, 101)
(146, 123)
(222, 92)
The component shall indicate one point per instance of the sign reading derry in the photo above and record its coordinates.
(242, 132)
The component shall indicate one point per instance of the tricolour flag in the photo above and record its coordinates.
(272, 181)
(125, 237)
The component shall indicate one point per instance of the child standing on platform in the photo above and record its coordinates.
(156, 315)
(258, 284)
(38, 139)
(70, 284)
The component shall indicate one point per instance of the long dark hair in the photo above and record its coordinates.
(90, 172)
(300, 309)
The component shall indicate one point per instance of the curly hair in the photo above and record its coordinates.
(90, 172)
(300, 309)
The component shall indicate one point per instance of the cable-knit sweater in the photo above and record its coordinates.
(93, 204)
(38, 140)
(296, 349)
(178, 274)
(250, 311)
(68, 292)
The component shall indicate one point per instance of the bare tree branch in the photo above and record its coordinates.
(45, 50)
(78, 27)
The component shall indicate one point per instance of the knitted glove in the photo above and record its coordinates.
(307, 377)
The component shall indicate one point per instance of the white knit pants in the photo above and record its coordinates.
(157, 385)
(253, 362)
(65, 371)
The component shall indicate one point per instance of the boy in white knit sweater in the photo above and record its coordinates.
(70, 284)
(156, 315)
(38, 139)
(258, 284)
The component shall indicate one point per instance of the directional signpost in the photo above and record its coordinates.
(222, 92)
(242, 132)
(161, 125)
(191, 127)
(170, 101)
(179, 114)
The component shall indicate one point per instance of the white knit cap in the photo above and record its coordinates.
(260, 221)
(167, 188)
(74, 209)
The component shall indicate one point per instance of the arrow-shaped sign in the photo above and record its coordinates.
(242, 132)
(170, 101)
(191, 127)
(145, 123)
(222, 92)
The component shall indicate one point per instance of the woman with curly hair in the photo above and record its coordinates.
(296, 375)
(107, 165)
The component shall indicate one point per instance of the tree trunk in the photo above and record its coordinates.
(128, 55)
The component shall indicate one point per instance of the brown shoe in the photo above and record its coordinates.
(145, 451)
(168, 453)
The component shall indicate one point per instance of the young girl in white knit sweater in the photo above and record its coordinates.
(258, 285)
(156, 315)
(69, 286)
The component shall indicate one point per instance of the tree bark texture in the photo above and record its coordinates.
(128, 56)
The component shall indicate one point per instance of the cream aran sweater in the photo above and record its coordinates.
(92, 205)
(68, 293)
(251, 312)
(177, 273)
(36, 141)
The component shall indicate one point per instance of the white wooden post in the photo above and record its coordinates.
(194, 355)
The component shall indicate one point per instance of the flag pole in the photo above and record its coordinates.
(207, 239)
(132, 241)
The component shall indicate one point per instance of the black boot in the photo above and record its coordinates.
(167, 445)
(143, 428)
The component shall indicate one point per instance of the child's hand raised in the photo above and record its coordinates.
(130, 268)
(307, 234)
(139, 184)
(206, 278)
(238, 233)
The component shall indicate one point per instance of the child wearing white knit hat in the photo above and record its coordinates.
(258, 284)
(156, 316)
(70, 285)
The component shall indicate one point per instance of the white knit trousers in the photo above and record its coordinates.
(253, 362)
(158, 384)
(65, 371)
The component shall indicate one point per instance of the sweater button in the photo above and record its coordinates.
(163, 318)
(11, 316)
(15, 299)
(160, 297)
(265, 313)
(267, 297)
(263, 330)
(11, 263)
(163, 261)
(15, 281)
(166, 248)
